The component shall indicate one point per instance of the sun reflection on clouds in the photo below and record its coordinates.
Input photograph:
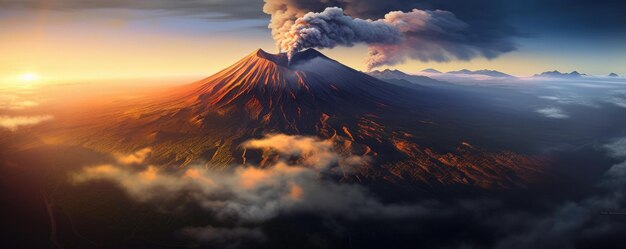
(12, 123)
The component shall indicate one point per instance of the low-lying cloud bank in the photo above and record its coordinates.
(590, 219)
(298, 182)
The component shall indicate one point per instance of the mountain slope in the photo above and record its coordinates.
(399, 75)
(310, 95)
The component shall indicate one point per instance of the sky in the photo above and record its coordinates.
(72, 40)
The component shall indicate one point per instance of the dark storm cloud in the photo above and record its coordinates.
(212, 9)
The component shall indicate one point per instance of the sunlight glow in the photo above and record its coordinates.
(29, 77)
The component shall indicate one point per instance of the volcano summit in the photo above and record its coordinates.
(406, 131)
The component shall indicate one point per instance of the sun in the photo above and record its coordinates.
(28, 77)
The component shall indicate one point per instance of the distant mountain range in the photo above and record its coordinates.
(437, 77)
(557, 74)
(491, 73)
(498, 74)
(395, 75)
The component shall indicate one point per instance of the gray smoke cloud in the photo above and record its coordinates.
(431, 36)
(424, 35)
(331, 28)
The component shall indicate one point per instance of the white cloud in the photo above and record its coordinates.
(14, 102)
(618, 101)
(553, 112)
(617, 148)
(136, 157)
(12, 123)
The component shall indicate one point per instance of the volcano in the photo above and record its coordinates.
(309, 95)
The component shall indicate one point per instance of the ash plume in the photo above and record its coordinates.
(425, 35)
(331, 28)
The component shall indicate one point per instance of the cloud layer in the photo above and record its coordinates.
(300, 181)
(576, 220)
(214, 9)
(12, 123)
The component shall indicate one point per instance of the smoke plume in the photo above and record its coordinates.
(332, 27)
(425, 35)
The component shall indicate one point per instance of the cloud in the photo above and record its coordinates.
(617, 148)
(618, 98)
(299, 181)
(553, 112)
(315, 153)
(213, 9)
(133, 158)
(572, 221)
(18, 104)
(572, 99)
(12, 123)
(432, 36)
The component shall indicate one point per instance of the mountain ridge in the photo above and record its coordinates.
(486, 72)
(389, 74)
(558, 74)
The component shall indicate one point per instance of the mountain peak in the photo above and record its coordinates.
(307, 54)
(268, 81)
(486, 72)
(282, 59)
(431, 70)
(279, 59)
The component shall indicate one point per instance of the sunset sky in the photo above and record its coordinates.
(60, 41)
